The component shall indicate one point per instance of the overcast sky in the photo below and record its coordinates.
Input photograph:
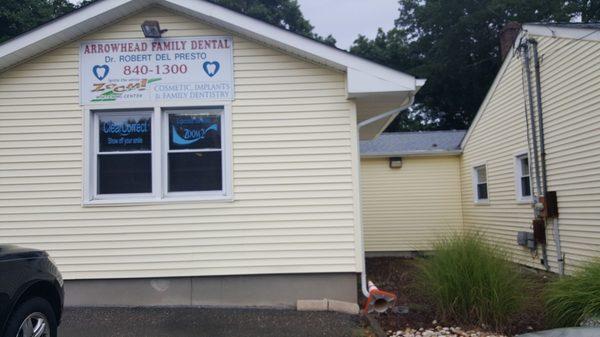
(345, 19)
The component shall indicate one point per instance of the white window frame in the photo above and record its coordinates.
(159, 151)
(165, 157)
(96, 151)
(518, 175)
(475, 181)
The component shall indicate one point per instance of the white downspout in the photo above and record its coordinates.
(363, 274)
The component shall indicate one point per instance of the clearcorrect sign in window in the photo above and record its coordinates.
(157, 153)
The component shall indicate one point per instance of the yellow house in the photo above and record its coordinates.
(410, 185)
(501, 143)
(175, 152)
(501, 165)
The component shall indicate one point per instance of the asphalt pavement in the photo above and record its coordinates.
(205, 322)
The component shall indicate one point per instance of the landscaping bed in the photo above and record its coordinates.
(401, 276)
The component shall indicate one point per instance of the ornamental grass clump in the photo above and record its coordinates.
(573, 300)
(473, 282)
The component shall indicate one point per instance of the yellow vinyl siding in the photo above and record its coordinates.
(293, 148)
(407, 209)
(570, 88)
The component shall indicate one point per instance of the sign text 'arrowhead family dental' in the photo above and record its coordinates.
(198, 68)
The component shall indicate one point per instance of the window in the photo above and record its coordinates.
(124, 152)
(157, 154)
(480, 182)
(194, 150)
(522, 179)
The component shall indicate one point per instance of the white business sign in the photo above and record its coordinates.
(166, 69)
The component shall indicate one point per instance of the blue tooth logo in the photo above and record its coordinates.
(211, 68)
(101, 71)
(200, 134)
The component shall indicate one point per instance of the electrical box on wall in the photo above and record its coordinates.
(550, 202)
(539, 231)
(526, 239)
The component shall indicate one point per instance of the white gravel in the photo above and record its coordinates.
(438, 331)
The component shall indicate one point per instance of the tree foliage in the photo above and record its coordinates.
(454, 44)
(18, 16)
(283, 13)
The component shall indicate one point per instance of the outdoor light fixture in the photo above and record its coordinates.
(395, 162)
(151, 29)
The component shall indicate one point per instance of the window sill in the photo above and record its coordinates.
(481, 202)
(154, 201)
(525, 201)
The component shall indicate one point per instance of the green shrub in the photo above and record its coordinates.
(572, 299)
(471, 281)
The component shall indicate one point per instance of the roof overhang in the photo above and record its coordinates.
(565, 31)
(375, 88)
(412, 154)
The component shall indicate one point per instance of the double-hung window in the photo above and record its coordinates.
(123, 158)
(522, 178)
(157, 154)
(194, 153)
(480, 184)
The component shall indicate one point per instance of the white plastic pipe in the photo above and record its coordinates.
(559, 255)
(363, 275)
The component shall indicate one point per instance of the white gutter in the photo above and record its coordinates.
(363, 275)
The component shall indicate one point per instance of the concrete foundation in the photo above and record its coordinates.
(270, 291)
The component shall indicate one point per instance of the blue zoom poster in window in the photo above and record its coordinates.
(193, 132)
(125, 133)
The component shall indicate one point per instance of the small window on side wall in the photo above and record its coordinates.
(522, 178)
(480, 184)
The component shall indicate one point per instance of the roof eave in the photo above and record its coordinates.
(575, 31)
(380, 79)
(412, 154)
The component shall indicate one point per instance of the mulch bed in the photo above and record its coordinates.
(399, 275)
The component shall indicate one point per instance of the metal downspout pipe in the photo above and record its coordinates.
(363, 275)
(538, 87)
(538, 183)
(526, 62)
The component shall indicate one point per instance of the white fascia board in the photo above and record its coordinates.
(574, 32)
(361, 82)
(389, 80)
(96, 15)
(60, 26)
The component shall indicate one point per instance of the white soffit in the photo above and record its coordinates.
(364, 76)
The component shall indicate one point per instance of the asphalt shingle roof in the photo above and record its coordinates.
(413, 143)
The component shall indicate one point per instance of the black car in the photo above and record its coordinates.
(31, 293)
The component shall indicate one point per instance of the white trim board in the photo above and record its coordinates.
(363, 76)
